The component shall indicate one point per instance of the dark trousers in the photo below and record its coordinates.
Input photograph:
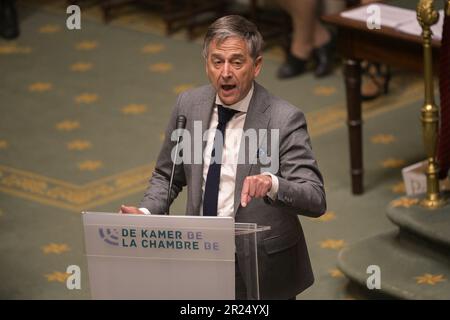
(9, 24)
(240, 288)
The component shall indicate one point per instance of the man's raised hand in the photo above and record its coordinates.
(130, 210)
(255, 187)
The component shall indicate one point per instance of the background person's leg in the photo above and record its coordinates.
(308, 34)
(9, 25)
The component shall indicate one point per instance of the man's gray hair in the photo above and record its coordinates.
(234, 26)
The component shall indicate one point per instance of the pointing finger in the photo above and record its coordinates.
(244, 194)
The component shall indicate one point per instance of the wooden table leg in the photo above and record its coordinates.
(354, 122)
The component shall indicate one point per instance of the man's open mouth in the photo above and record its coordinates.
(228, 87)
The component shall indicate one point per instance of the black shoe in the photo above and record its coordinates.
(323, 57)
(9, 25)
(292, 67)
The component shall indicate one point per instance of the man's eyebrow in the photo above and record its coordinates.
(233, 56)
(216, 55)
(237, 56)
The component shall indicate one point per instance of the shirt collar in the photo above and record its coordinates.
(241, 106)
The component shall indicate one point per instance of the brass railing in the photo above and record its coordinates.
(428, 16)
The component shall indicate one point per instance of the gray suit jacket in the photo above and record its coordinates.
(284, 265)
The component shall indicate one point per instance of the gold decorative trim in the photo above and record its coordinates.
(332, 244)
(404, 202)
(335, 116)
(382, 139)
(336, 273)
(392, 163)
(430, 279)
(86, 45)
(57, 276)
(69, 196)
(55, 248)
(134, 109)
(49, 28)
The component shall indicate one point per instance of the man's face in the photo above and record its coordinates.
(231, 69)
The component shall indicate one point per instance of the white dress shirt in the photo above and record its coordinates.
(230, 153)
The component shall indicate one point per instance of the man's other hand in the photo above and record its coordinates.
(255, 187)
(130, 210)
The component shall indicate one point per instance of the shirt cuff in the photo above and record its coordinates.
(145, 210)
(273, 192)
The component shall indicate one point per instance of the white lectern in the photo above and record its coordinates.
(168, 257)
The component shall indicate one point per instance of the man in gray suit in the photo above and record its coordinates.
(231, 178)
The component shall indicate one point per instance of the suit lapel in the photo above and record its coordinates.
(202, 112)
(256, 119)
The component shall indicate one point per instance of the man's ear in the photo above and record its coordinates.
(258, 65)
(206, 66)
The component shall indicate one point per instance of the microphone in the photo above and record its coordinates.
(181, 124)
